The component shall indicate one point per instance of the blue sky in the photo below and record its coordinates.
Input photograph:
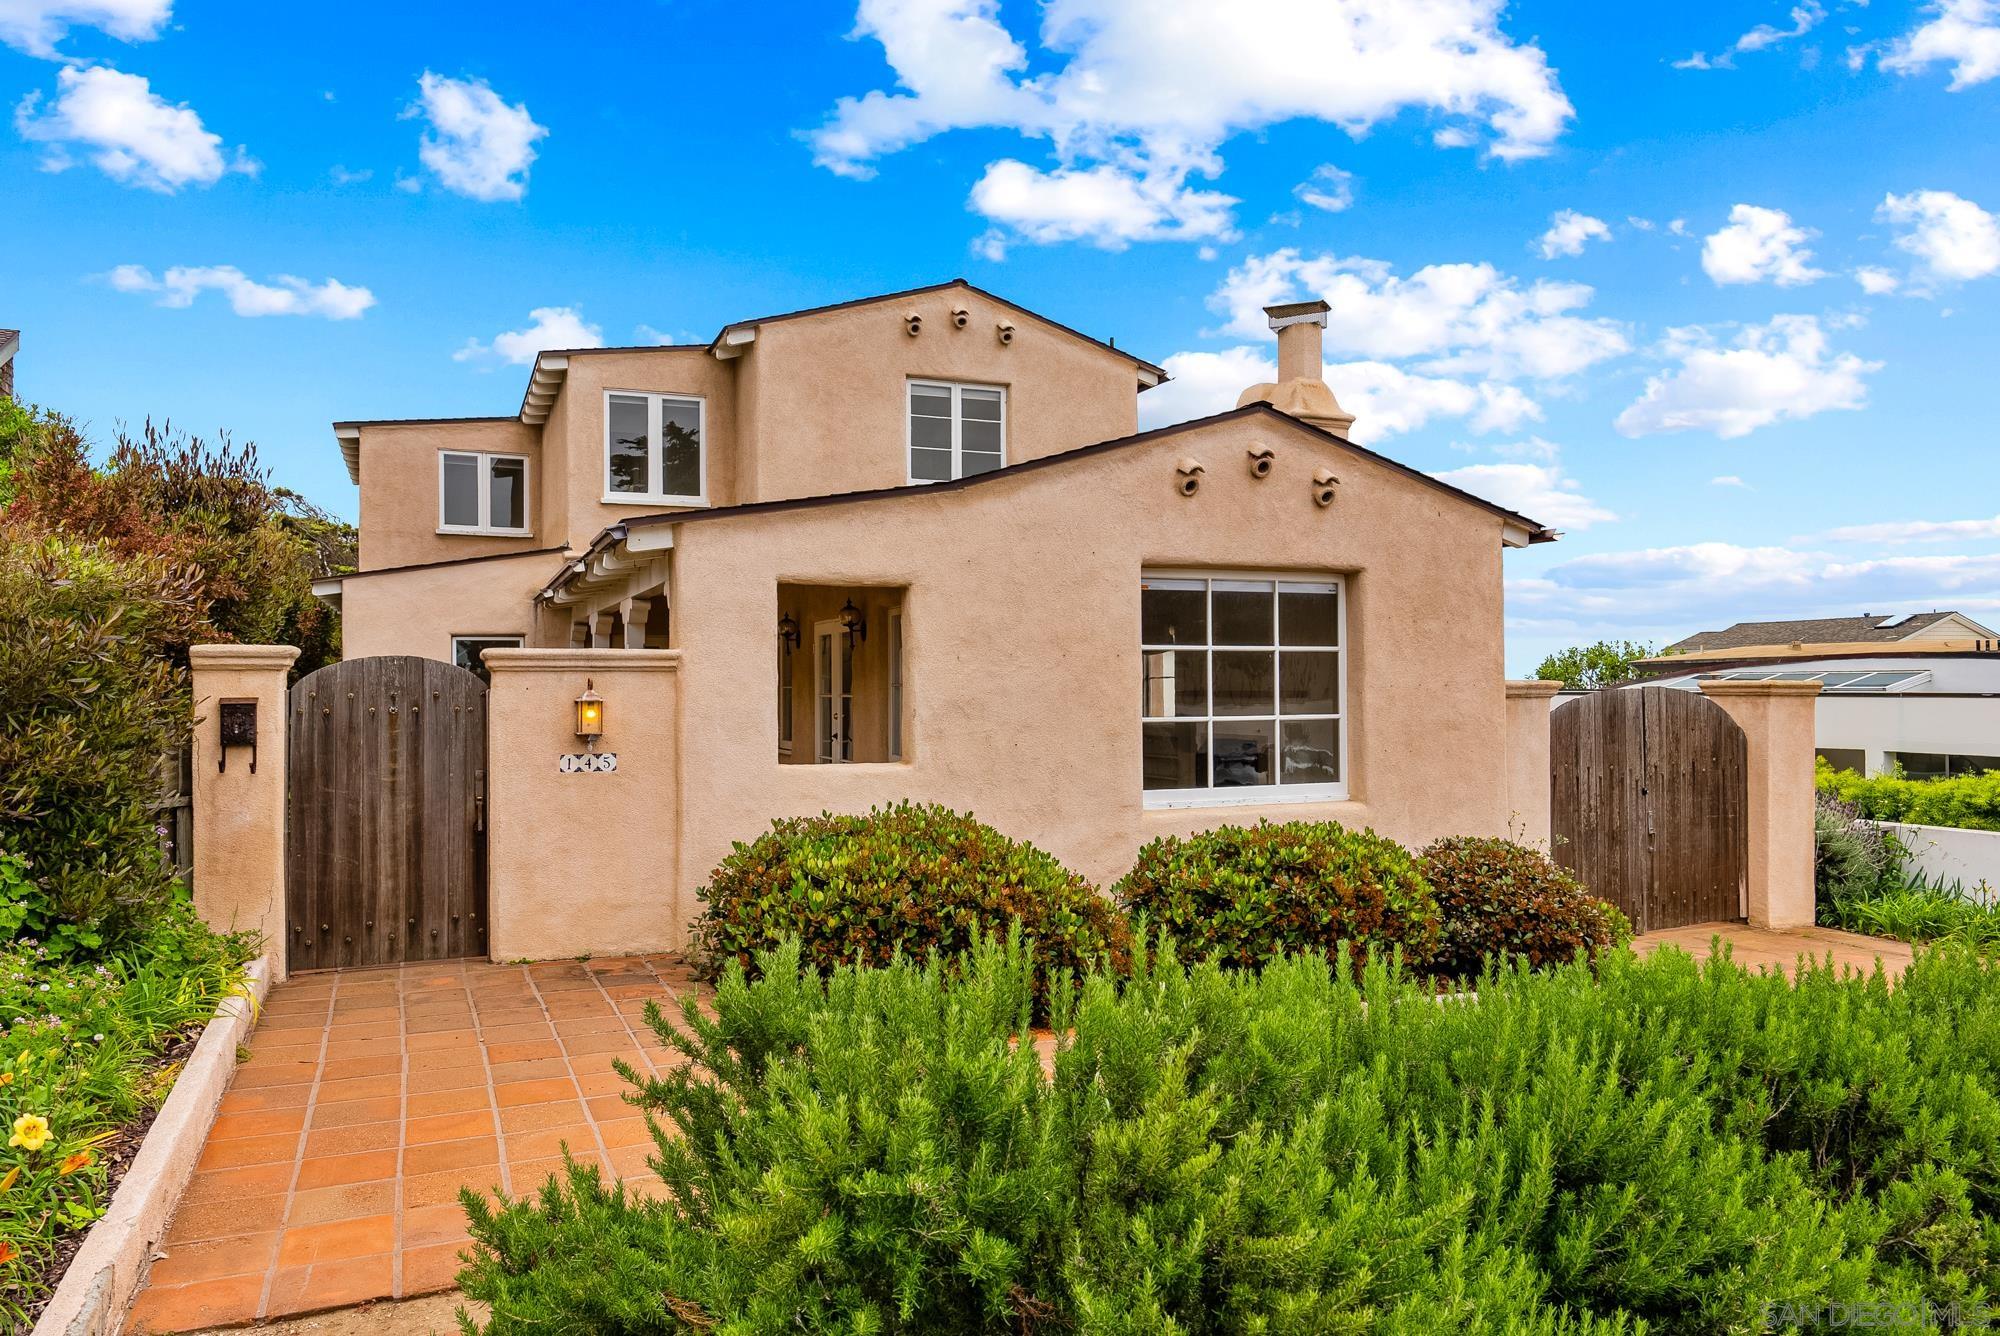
(1709, 287)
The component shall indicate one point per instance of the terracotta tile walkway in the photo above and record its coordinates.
(1755, 948)
(370, 1098)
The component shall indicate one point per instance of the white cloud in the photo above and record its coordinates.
(1962, 33)
(1328, 188)
(1916, 531)
(1569, 232)
(1951, 237)
(35, 26)
(1102, 205)
(341, 176)
(283, 295)
(1876, 281)
(1804, 18)
(1759, 245)
(1542, 492)
(1774, 372)
(551, 327)
(1461, 319)
(477, 145)
(128, 132)
(1114, 89)
(1385, 400)
(1728, 480)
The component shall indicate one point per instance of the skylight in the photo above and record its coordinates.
(1896, 680)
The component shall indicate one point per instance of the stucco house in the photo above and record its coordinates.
(914, 546)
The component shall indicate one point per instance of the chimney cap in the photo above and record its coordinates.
(1298, 313)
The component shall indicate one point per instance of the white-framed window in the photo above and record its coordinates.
(956, 431)
(465, 651)
(896, 685)
(481, 493)
(653, 448)
(1243, 688)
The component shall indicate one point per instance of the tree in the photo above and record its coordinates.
(205, 510)
(1608, 663)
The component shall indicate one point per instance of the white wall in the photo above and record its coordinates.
(1882, 725)
(1945, 855)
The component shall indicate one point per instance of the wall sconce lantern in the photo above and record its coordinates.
(589, 715)
(852, 622)
(236, 727)
(788, 630)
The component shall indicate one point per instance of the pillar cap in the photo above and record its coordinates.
(1717, 686)
(242, 656)
(1532, 688)
(581, 660)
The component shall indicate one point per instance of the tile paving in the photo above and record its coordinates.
(370, 1097)
(1780, 949)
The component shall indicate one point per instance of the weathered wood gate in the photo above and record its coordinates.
(385, 841)
(1649, 801)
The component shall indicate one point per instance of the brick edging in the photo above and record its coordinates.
(108, 1270)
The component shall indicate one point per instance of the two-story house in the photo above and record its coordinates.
(914, 546)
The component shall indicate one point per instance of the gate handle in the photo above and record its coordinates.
(479, 802)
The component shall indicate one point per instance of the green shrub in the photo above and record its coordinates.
(1498, 896)
(1851, 857)
(1970, 802)
(87, 708)
(911, 878)
(1245, 894)
(1647, 1145)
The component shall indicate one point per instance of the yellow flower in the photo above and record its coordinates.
(13, 1177)
(6, 1078)
(71, 1163)
(31, 1132)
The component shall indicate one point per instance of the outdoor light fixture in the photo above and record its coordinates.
(589, 715)
(852, 622)
(788, 630)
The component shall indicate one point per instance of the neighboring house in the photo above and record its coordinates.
(10, 344)
(914, 546)
(1919, 690)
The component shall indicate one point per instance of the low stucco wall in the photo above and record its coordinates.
(1946, 854)
(239, 813)
(582, 863)
(1528, 791)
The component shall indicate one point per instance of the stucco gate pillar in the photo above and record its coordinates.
(1528, 800)
(1777, 722)
(239, 811)
(583, 856)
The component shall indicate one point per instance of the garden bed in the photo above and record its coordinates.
(93, 1056)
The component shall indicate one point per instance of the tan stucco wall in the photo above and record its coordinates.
(418, 611)
(1777, 723)
(580, 863)
(1528, 791)
(577, 431)
(399, 491)
(239, 815)
(1021, 643)
(827, 394)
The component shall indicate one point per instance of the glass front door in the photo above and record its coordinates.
(833, 676)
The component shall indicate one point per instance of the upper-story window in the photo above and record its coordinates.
(652, 448)
(956, 430)
(479, 493)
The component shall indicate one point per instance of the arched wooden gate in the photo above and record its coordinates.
(385, 839)
(1648, 803)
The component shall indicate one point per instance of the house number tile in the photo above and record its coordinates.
(587, 763)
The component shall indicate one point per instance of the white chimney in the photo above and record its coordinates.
(1300, 389)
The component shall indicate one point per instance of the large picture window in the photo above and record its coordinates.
(482, 493)
(653, 448)
(1242, 694)
(956, 431)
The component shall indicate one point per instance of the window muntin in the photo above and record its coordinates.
(653, 448)
(465, 651)
(482, 493)
(1242, 689)
(956, 431)
(896, 686)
